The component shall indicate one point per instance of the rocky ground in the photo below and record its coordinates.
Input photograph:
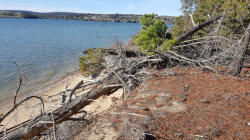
(177, 103)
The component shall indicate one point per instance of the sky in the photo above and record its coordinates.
(160, 7)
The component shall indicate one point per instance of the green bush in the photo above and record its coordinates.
(152, 33)
(92, 63)
(168, 44)
(178, 27)
(237, 16)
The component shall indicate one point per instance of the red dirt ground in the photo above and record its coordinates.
(181, 103)
(209, 106)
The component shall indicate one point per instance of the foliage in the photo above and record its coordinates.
(168, 44)
(178, 27)
(152, 33)
(237, 16)
(147, 20)
(92, 63)
(28, 15)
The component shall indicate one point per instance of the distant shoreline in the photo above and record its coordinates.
(123, 18)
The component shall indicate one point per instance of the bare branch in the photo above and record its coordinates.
(21, 75)
(74, 90)
(18, 104)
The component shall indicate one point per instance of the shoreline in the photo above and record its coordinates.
(52, 100)
(31, 108)
(56, 86)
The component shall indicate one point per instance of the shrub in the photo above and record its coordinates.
(152, 33)
(237, 16)
(168, 44)
(92, 63)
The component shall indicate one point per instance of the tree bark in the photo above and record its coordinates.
(197, 28)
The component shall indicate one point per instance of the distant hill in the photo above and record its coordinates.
(133, 18)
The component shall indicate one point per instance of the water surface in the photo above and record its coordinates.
(47, 50)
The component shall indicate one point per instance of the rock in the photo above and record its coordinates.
(149, 137)
(183, 96)
(186, 88)
(248, 123)
(246, 94)
(230, 96)
(179, 135)
(166, 73)
(171, 73)
(217, 133)
(207, 101)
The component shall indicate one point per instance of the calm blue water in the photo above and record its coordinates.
(47, 50)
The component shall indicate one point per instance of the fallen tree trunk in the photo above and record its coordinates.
(242, 49)
(34, 127)
(197, 28)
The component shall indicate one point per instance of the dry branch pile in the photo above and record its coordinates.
(129, 68)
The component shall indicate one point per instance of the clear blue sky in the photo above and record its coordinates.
(160, 7)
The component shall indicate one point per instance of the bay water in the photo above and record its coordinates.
(48, 50)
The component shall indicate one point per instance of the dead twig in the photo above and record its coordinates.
(54, 125)
(21, 75)
(74, 89)
(18, 104)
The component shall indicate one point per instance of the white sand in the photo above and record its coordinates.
(31, 108)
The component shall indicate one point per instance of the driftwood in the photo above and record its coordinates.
(35, 127)
(242, 49)
(197, 28)
(74, 90)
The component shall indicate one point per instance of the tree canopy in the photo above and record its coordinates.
(152, 34)
(236, 16)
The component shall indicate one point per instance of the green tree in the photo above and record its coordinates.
(152, 33)
(237, 16)
(147, 20)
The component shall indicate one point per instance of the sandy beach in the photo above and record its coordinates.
(52, 100)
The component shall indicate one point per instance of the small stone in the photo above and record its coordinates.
(166, 73)
(186, 88)
(217, 133)
(230, 96)
(147, 109)
(248, 123)
(247, 94)
(183, 96)
(179, 135)
(171, 73)
(114, 99)
(207, 101)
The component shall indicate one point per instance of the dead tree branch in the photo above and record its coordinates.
(74, 90)
(20, 82)
(34, 127)
(197, 28)
(18, 104)
(242, 48)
